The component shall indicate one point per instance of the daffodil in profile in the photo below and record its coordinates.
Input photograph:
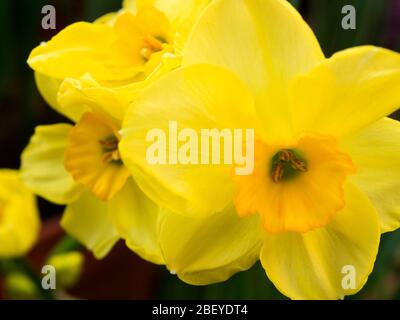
(140, 42)
(80, 166)
(326, 176)
(19, 217)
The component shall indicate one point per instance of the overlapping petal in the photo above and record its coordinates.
(192, 97)
(313, 265)
(208, 250)
(182, 15)
(352, 89)
(79, 96)
(376, 152)
(266, 43)
(136, 218)
(80, 48)
(42, 165)
(89, 221)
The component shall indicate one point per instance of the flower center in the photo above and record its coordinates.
(151, 44)
(295, 188)
(287, 164)
(92, 156)
(140, 37)
(110, 149)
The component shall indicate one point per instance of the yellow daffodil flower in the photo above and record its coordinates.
(326, 174)
(19, 217)
(80, 166)
(141, 42)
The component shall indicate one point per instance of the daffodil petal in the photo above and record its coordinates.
(129, 5)
(48, 88)
(89, 221)
(128, 93)
(19, 217)
(81, 47)
(136, 219)
(376, 152)
(182, 15)
(207, 250)
(314, 265)
(267, 45)
(79, 96)
(108, 18)
(352, 89)
(42, 165)
(192, 98)
(176, 10)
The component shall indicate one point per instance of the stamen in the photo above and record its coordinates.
(285, 155)
(110, 148)
(146, 53)
(151, 45)
(110, 143)
(298, 165)
(286, 164)
(277, 173)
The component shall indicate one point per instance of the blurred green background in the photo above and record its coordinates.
(22, 108)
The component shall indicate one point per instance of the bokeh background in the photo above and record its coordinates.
(122, 275)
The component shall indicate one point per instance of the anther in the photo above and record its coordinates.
(151, 45)
(146, 53)
(286, 164)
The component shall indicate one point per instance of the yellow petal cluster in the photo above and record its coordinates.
(325, 183)
(90, 72)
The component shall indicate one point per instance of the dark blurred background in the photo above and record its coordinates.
(22, 108)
